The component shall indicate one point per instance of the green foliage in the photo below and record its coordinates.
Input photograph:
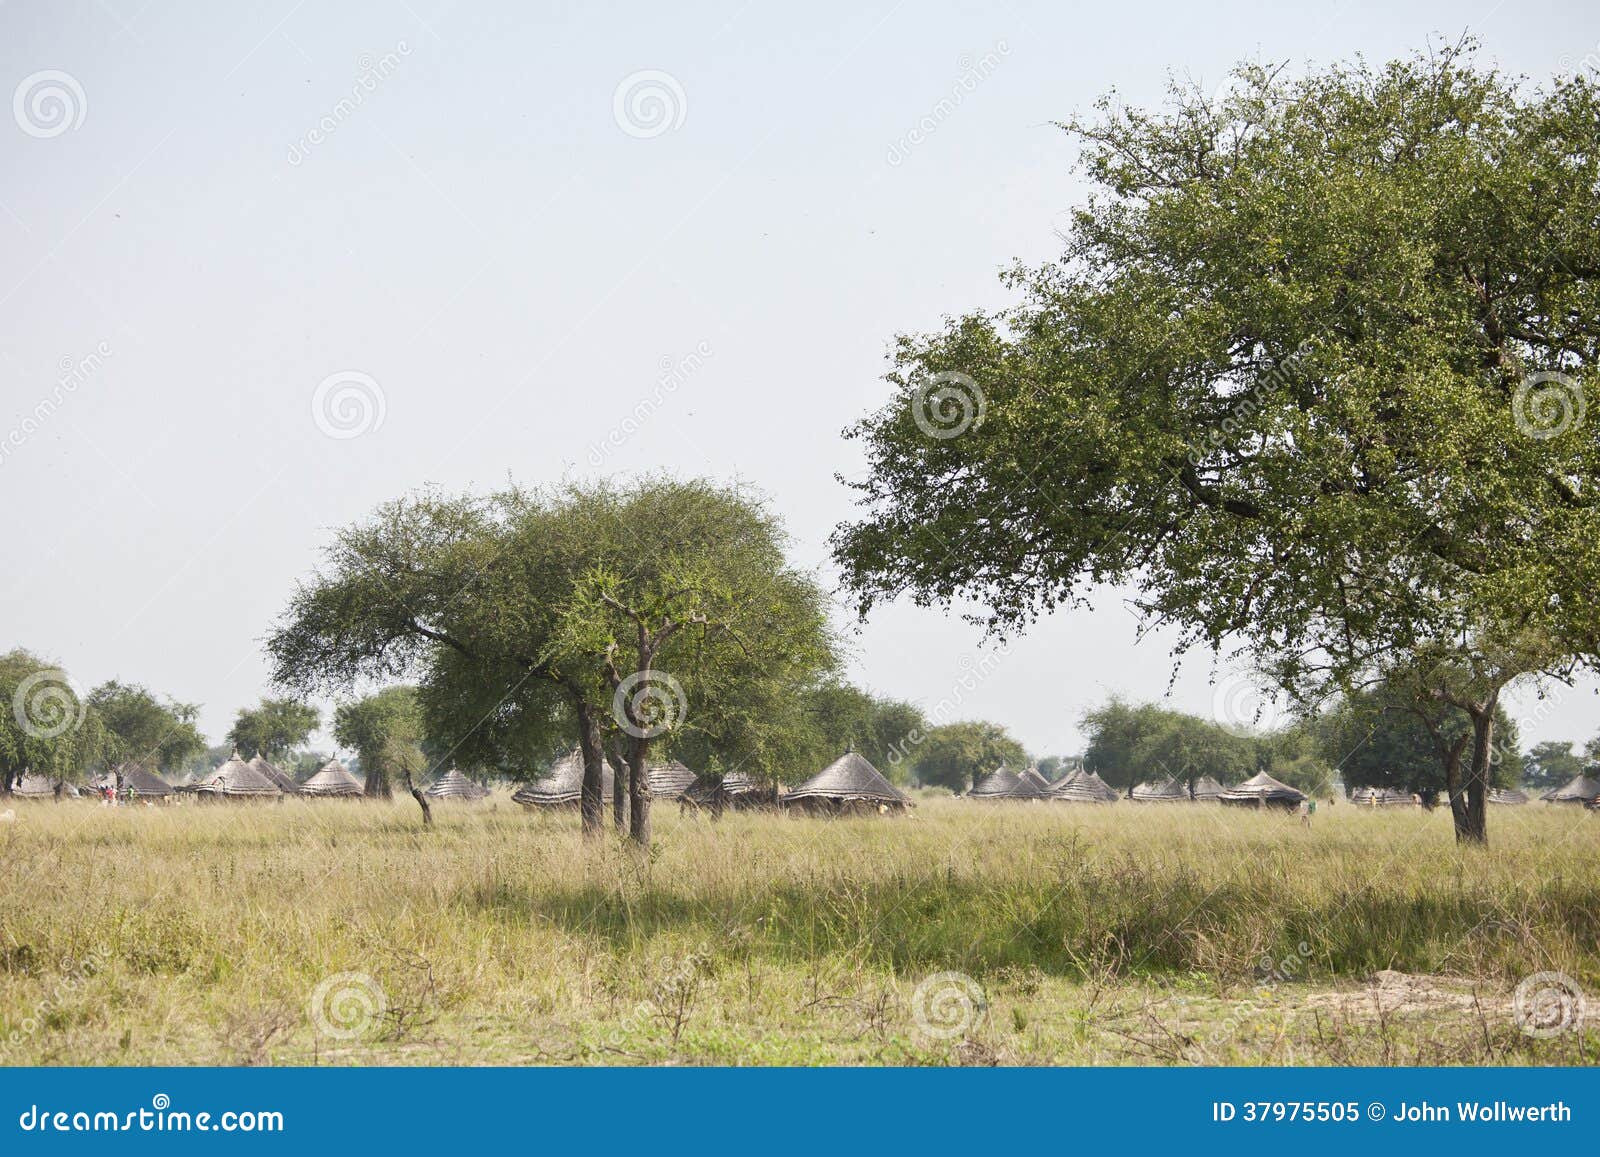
(46, 726)
(159, 733)
(385, 730)
(1374, 741)
(1551, 764)
(273, 728)
(957, 755)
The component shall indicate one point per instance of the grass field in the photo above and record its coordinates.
(342, 933)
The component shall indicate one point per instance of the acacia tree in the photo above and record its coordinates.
(378, 728)
(46, 725)
(159, 733)
(957, 755)
(520, 615)
(274, 727)
(1310, 375)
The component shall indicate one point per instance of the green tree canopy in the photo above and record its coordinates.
(957, 755)
(158, 733)
(385, 731)
(1310, 375)
(46, 725)
(274, 727)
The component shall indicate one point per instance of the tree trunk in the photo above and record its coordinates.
(1472, 827)
(378, 786)
(5, 785)
(619, 789)
(639, 792)
(422, 801)
(591, 804)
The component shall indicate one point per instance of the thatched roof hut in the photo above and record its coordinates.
(1580, 789)
(332, 779)
(35, 786)
(562, 784)
(1507, 795)
(236, 779)
(1207, 789)
(279, 778)
(454, 785)
(850, 784)
(1168, 790)
(1261, 790)
(135, 778)
(1081, 787)
(1032, 776)
(670, 780)
(736, 790)
(1003, 783)
(1381, 797)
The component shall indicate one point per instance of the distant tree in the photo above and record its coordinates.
(1188, 748)
(274, 728)
(957, 755)
(1116, 730)
(1551, 764)
(381, 729)
(1374, 742)
(46, 726)
(1050, 767)
(158, 733)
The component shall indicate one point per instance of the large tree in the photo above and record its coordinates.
(957, 755)
(155, 732)
(591, 612)
(274, 727)
(1310, 376)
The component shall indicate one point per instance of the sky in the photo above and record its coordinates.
(263, 268)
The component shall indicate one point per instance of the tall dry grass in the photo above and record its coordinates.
(1091, 935)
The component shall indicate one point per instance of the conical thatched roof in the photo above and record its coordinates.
(1003, 783)
(670, 780)
(850, 777)
(736, 787)
(453, 785)
(134, 775)
(1168, 790)
(1262, 788)
(1507, 795)
(1207, 788)
(332, 779)
(282, 781)
(1579, 789)
(237, 778)
(1081, 787)
(1034, 777)
(562, 784)
(1380, 797)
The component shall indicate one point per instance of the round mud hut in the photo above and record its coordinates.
(850, 785)
(1261, 790)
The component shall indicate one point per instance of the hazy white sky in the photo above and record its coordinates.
(493, 225)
